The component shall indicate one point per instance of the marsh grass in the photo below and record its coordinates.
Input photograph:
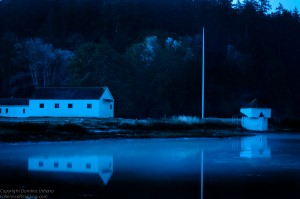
(157, 126)
(175, 123)
(62, 129)
(186, 119)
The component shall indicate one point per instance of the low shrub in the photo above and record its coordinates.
(186, 119)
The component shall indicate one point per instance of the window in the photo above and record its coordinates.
(111, 106)
(42, 105)
(89, 105)
(6, 110)
(55, 164)
(41, 164)
(69, 165)
(24, 111)
(56, 105)
(70, 105)
(88, 165)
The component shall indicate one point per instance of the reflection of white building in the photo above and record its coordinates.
(255, 147)
(101, 165)
(256, 116)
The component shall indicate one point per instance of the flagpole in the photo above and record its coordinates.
(203, 75)
(202, 175)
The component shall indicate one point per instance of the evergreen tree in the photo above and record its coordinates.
(264, 6)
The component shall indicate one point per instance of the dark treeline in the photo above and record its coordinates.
(148, 52)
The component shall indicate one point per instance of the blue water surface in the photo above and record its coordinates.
(260, 166)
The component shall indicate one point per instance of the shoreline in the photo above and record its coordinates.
(75, 129)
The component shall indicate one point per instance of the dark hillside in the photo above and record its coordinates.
(149, 53)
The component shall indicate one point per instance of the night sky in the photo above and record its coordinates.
(288, 4)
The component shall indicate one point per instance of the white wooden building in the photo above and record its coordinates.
(14, 107)
(256, 116)
(61, 102)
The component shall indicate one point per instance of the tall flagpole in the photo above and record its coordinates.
(203, 75)
(202, 159)
(202, 175)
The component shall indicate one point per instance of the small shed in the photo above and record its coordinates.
(256, 116)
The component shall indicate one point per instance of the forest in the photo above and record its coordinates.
(149, 53)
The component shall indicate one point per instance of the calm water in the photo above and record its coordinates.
(260, 166)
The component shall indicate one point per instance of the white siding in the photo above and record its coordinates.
(79, 108)
(255, 112)
(106, 105)
(255, 124)
(14, 111)
(101, 108)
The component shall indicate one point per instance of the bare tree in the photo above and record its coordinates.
(45, 63)
(60, 67)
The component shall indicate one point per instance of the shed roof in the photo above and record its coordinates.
(255, 104)
(68, 93)
(239, 115)
(14, 101)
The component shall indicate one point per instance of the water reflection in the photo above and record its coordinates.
(255, 147)
(158, 168)
(101, 165)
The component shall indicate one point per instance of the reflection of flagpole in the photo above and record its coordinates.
(203, 75)
(201, 174)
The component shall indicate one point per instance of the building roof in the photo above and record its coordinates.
(255, 104)
(14, 101)
(239, 115)
(261, 114)
(68, 93)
